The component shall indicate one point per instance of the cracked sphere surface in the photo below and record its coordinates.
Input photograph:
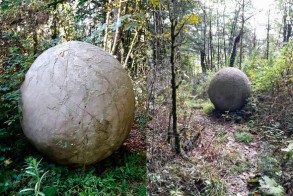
(77, 103)
(229, 89)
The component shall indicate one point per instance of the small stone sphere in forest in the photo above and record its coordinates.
(229, 89)
(77, 104)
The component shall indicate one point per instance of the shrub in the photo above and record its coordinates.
(273, 81)
(208, 107)
(243, 137)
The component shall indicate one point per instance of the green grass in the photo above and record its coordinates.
(123, 173)
(222, 136)
(244, 137)
(208, 107)
(194, 103)
(240, 166)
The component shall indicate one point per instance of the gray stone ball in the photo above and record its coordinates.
(77, 103)
(229, 89)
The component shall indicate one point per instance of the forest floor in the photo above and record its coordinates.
(218, 155)
(122, 173)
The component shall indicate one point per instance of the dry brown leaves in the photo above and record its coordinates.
(214, 155)
(135, 141)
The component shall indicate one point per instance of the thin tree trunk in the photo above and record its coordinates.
(268, 37)
(115, 45)
(285, 24)
(202, 62)
(174, 88)
(54, 26)
(211, 44)
(107, 26)
(224, 26)
(218, 44)
(234, 50)
(35, 38)
(241, 37)
(204, 38)
(233, 29)
(130, 49)
(254, 41)
(169, 128)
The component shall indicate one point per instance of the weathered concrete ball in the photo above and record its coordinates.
(229, 89)
(78, 104)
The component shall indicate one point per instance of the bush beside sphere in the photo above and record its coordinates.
(78, 104)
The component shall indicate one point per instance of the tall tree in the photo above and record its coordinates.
(173, 9)
(268, 36)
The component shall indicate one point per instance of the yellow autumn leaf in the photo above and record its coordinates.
(7, 162)
(154, 3)
(192, 19)
(181, 22)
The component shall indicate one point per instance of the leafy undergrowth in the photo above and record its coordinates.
(222, 154)
(123, 173)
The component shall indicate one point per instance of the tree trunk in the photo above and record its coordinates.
(224, 39)
(233, 29)
(204, 42)
(268, 37)
(289, 32)
(107, 26)
(54, 26)
(174, 88)
(117, 33)
(202, 62)
(234, 50)
(218, 41)
(211, 43)
(130, 49)
(241, 37)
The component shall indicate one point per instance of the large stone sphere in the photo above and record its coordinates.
(78, 104)
(229, 89)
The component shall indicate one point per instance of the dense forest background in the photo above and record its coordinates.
(171, 50)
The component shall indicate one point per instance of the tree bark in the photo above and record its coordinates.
(174, 88)
(130, 49)
(268, 37)
(54, 26)
(107, 26)
(234, 50)
(211, 43)
(115, 42)
(241, 37)
(202, 62)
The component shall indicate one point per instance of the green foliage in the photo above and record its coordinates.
(208, 107)
(12, 139)
(272, 84)
(222, 136)
(270, 187)
(216, 187)
(201, 85)
(142, 120)
(245, 137)
(288, 152)
(127, 179)
(269, 74)
(33, 171)
(124, 176)
(10, 81)
(269, 165)
(240, 166)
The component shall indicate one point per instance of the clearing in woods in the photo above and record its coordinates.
(221, 154)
